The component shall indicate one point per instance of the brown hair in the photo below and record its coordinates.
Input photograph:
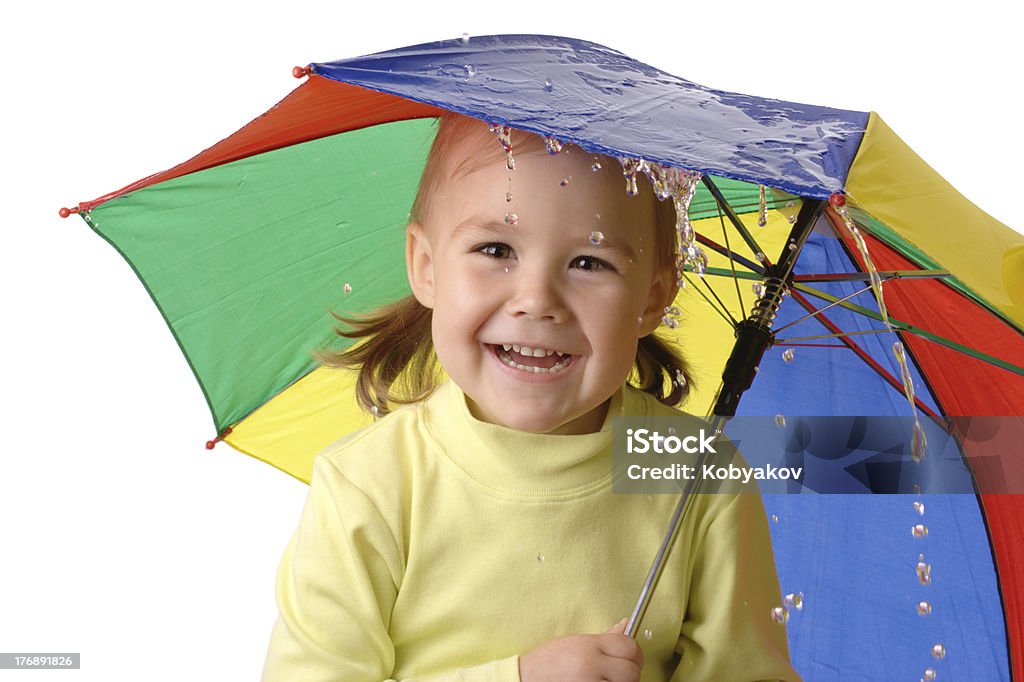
(396, 362)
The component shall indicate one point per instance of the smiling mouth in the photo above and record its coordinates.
(535, 360)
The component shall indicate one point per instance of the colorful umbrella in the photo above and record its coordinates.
(247, 247)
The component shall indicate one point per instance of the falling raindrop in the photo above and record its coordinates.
(787, 355)
(939, 651)
(347, 288)
(929, 674)
(775, 518)
(553, 146)
(565, 181)
(596, 237)
(758, 289)
(780, 614)
(465, 39)
(762, 216)
(780, 421)
(504, 134)
(511, 219)
(508, 197)
(547, 85)
(794, 600)
(470, 70)
(647, 633)
(919, 508)
(924, 573)
(629, 171)
(924, 608)
(540, 558)
(919, 530)
(596, 165)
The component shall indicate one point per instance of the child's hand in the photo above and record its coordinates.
(609, 656)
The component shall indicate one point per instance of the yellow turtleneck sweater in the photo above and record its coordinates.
(434, 546)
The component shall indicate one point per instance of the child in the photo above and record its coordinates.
(472, 535)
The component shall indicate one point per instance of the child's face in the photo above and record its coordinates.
(542, 284)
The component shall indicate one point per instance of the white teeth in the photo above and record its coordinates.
(530, 352)
(557, 367)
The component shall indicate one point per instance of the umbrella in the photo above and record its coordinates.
(246, 247)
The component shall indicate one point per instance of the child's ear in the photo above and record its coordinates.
(419, 264)
(663, 292)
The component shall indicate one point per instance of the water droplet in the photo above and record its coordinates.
(775, 518)
(673, 310)
(919, 530)
(789, 204)
(465, 39)
(758, 289)
(596, 237)
(924, 573)
(794, 600)
(672, 431)
(511, 219)
(780, 421)
(919, 508)
(597, 216)
(504, 134)
(647, 633)
(565, 181)
(761, 258)
(547, 85)
(596, 166)
(939, 651)
(375, 411)
(787, 355)
(680, 378)
(640, 320)
(347, 288)
(780, 614)
(762, 216)
(506, 270)
(508, 197)
(924, 608)
(540, 558)
(791, 246)
(918, 442)
(470, 70)
(553, 146)
(792, 219)
(929, 674)
(670, 322)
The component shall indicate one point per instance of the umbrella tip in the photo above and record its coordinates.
(301, 71)
(65, 212)
(838, 200)
(210, 444)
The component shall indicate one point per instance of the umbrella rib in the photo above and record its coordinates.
(917, 331)
(724, 206)
(783, 342)
(722, 312)
(732, 264)
(821, 310)
(731, 255)
(863, 355)
(863, 276)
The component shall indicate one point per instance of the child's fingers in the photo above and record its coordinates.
(621, 670)
(617, 629)
(617, 645)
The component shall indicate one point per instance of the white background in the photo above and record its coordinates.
(121, 536)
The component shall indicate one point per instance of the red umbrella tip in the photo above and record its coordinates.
(301, 71)
(210, 444)
(65, 212)
(838, 200)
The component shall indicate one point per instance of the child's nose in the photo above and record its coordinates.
(537, 295)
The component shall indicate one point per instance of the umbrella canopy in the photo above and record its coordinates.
(247, 247)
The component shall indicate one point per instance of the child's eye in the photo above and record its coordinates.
(496, 250)
(591, 264)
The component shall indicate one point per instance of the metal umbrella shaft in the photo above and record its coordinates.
(753, 338)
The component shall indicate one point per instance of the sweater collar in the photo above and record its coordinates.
(520, 463)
